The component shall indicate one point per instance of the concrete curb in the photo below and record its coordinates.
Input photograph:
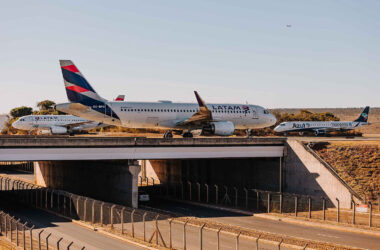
(318, 224)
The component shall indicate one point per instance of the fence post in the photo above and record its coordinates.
(133, 223)
(101, 214)
(70, 205)
(184, 235)
(122, 220)
(156, 228)
(279, 245)
(58, 243)
(69, 245)
(257, 200)
(199, 191)
(216, 194)
(337, 211)
(246, 198)
(188, 182)
(200, 236)
(296, 205)
(112, 214)
(280, 203)
(47, 241)
(39, 239)
(268, 202)
(170, 233)
(51, 199)
(218, 239)
(23, 235)
(206, 193)
(370, 214)
(144, 224)
(257, 242)
(237, 241)
(85, 209)
(93, 212)
(152, 181)
(64, 204)
(236, 196)
(309, 198)
(46, 198)
(353, 211)
(78, 208)
(31, 238)
(324, 208)
(17, 222)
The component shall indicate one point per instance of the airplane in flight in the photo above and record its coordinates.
(323, 127)
(55, 124)
(212, 119)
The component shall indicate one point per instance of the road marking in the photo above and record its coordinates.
(331, 236)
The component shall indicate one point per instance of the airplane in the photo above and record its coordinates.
(210, 119)
(323, 127)
(55, 124)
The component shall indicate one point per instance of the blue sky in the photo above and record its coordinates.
(230, 51)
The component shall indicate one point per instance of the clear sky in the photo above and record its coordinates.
(230, 51)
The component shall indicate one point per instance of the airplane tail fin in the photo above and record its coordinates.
(364, 115)
(77, 88)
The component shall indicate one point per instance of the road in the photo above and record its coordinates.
(60, 227)
(272, 226)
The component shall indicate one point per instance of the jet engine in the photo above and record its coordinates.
(58, 130)
(223, 128)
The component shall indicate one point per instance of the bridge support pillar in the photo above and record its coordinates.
(112, 181)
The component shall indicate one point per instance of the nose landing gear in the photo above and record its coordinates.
(187, 135)
(168, 134)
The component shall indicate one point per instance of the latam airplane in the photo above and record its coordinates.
(323, 127)
(55, 124)
(211, 119)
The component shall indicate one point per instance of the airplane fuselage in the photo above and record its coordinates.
(167, 115)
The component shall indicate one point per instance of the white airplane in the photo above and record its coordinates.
(55, 124)
(211, 119)
(323, 127)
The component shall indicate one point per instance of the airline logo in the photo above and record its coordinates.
(365, 116)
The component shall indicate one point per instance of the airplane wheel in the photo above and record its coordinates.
(301, 133)
(316, 133)
(248, 132)
(168, 134)
(187, 135)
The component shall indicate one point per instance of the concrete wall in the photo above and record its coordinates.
(113, 181)
(304, 174)
(260, 173)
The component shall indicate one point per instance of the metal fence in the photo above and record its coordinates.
(145, 225)
(255, 200)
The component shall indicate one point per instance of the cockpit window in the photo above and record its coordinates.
(22, 119)
(282, 124)
(266, 111)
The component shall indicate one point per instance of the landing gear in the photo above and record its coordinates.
(301, 133)
(187, 135)
(248, 132)
(168, 134)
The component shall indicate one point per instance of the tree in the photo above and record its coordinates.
(21, 111)
(45, 105)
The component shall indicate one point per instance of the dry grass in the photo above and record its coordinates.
(358, 163)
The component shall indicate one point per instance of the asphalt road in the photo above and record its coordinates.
(272, 226)
(60, 227)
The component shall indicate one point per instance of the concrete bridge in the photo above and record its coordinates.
(127, 148)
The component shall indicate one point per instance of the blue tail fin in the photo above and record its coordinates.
(364, 115)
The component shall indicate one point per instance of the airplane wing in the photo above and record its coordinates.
(201, 117)
(73, 125)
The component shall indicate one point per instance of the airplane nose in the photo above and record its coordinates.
(272, 120)
(16, 124)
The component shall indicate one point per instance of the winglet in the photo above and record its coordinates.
(201, 103)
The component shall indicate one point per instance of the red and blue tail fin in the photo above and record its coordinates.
(77, 87)
(78, 90)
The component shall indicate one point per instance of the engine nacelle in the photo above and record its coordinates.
(58, 130)
(225, 128)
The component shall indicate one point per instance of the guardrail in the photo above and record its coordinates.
(144, 225)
